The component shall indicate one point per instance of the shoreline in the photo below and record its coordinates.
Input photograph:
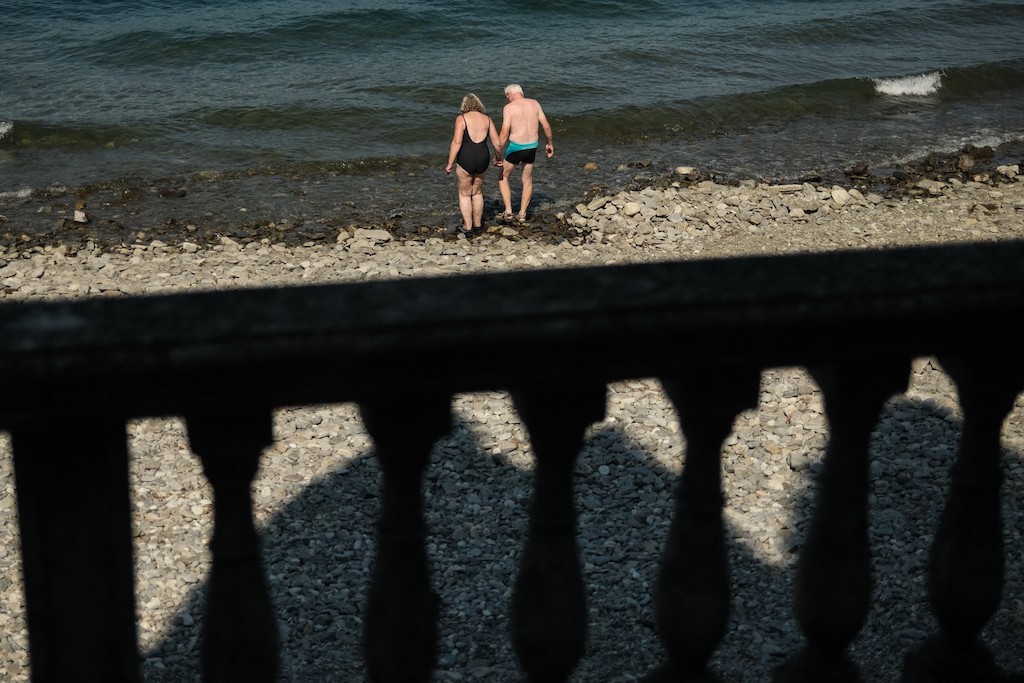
(315, 204)
(683, 215)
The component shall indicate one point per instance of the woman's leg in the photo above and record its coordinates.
(465, 197)
(478, 200)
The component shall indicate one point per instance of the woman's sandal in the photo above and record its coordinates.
(504, 217)
(521, 218)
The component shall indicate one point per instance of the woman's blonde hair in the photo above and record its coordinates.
(471, 103)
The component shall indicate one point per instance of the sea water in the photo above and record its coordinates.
(93, 91)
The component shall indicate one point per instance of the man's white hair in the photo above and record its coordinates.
(513, 88)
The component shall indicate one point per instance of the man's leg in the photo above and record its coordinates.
(527, 190)
(465, 197)
(504, 187)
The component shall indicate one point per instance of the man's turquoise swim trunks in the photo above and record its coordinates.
(516, 153)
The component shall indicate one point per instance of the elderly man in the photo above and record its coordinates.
(519, 139)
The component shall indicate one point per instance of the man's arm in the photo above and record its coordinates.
(506, 130)
(492, 132)
(550, 147)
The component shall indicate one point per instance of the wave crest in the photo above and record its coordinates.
(920, 85)
(5, 128)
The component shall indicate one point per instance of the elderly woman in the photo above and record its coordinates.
(471, 157)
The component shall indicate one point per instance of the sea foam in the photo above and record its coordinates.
(23, 193)
(923, 84)
(5, 128)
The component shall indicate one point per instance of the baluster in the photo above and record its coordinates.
(965, 575)
(692, 591)
(239, 641)
(75, 520)
(400, 628)
(833, 578)
(549, 620)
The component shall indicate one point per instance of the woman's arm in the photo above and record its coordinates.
(453, 151)
(492, 132)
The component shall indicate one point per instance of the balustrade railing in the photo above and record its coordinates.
(225, 360)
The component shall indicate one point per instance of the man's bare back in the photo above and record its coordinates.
(520, 120)
(523, 116)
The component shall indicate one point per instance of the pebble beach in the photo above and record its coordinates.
(316, 495)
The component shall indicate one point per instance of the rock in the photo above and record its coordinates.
(859, 170)
(779, 189)
(685, 170)
(358, 245)
(631, 209)
(840, 196)
(932, 186)
(1009, 171)
(370, 235)
(964, 163)
(798, 461)
(590, 166)
(801, 203)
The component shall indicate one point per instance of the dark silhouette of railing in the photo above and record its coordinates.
(224, 360)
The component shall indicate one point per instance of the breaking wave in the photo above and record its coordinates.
(915, 86)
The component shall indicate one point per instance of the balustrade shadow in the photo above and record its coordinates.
(920, 441)
(475, 508)
(705, 329)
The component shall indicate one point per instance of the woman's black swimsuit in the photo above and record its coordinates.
(473, 157)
